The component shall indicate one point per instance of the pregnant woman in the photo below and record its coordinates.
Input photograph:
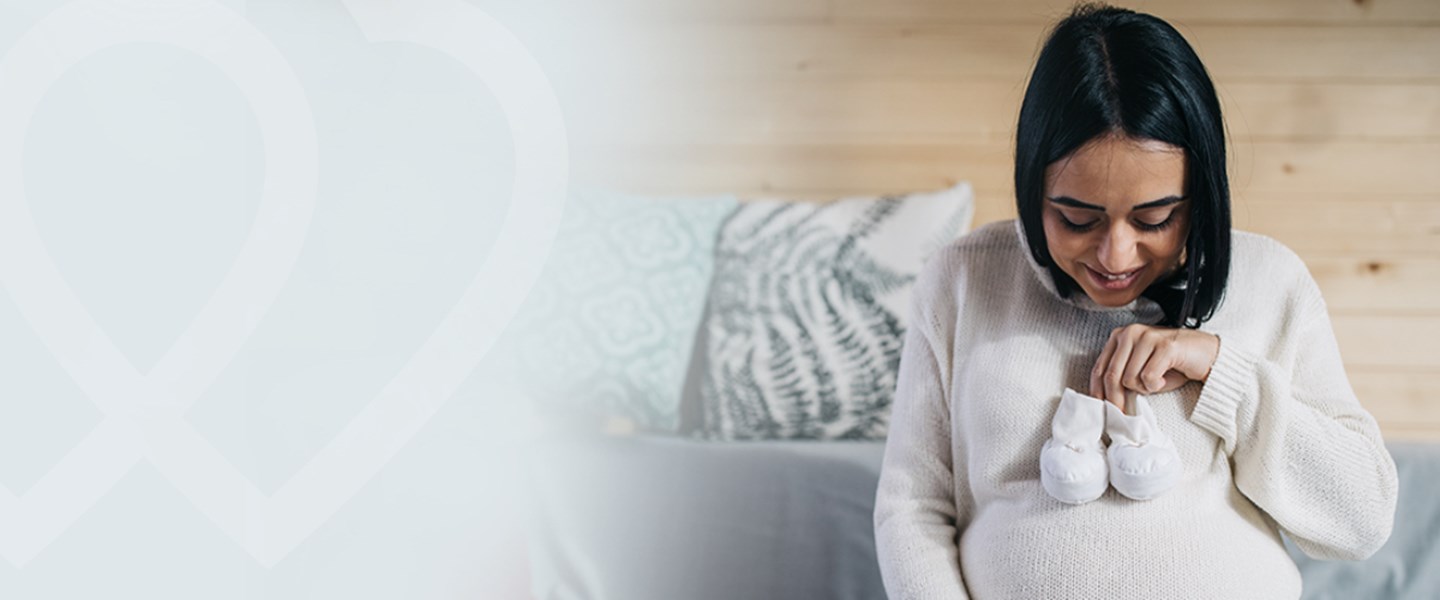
(1117, 395)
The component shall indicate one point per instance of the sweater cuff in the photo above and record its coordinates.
(1231, 383)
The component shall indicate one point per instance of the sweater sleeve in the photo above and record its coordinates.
(916, 519)
(1301, 446)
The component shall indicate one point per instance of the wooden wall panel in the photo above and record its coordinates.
(849, 110)
(1329, 12)
(1355, 225)
(1324, 111)
(1335, 166)
(689, 53)
(1401, 401)
(1383, 342)
(1371, 284)
(1035, 12)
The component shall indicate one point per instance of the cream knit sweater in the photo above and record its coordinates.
(1274, 440)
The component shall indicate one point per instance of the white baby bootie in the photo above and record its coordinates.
(1144, 462)
(1072, 461)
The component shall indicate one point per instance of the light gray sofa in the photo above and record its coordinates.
(669, 518)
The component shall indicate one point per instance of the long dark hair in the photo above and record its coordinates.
(1107, 70)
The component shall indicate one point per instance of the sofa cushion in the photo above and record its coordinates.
(807, 312)
(661, 517)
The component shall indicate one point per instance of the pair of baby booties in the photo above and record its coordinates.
(1076, 467)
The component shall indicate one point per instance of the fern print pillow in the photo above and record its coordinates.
(807, 312)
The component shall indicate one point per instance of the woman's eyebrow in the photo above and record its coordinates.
(1068, 201)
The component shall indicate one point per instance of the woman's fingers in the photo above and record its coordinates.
(1119, 359)
(1097, 388)
(1141, 359)
(1139, 372)
(1162, 370)
(1172, 380)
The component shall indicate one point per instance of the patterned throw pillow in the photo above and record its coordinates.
(607, 331)
(808, 309)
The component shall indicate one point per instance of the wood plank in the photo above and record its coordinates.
(714, 52)
(849, 110)
(1372, 284)
(1312, 111)
(859, 110)
(991, 206)
(1410, 342)
(1359, 167)
(1319, 12)
(1344, 12)
(1400, 433)
(1397, 398)
(718, 51)
(661, 11)
(1397, 434)
(1356, 225)
(1234, 53)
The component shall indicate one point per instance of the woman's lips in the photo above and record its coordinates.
(1112, 284)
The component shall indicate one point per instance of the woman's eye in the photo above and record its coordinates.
(1073, 226)
(1077, 226)
(1158, 226)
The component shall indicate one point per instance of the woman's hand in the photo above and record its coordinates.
(1150, 360)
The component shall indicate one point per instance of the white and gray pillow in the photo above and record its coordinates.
(807, 312)
(606, 333)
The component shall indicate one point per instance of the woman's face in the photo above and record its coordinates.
(1124, 198)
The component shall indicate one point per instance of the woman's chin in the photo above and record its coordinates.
(1111, 302)
(1111, 298)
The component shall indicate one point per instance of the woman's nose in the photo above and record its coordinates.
(1117, 249)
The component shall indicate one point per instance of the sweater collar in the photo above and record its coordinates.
(1143, 306)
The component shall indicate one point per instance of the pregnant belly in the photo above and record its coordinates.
(1190, 543)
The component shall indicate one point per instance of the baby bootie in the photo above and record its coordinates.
(1143, 460)
(1072, 461)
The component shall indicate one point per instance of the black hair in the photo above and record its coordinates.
(1112, 71)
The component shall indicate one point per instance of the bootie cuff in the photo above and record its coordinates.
(1080, 418)
(1144, 462)
(1137, 429)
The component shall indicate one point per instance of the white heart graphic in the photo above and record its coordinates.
(144, 413)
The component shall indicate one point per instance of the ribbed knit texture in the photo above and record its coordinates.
(1274, 440)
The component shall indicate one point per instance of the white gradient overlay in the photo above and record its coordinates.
(144, 414)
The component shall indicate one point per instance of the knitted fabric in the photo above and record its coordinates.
(1275, 440)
